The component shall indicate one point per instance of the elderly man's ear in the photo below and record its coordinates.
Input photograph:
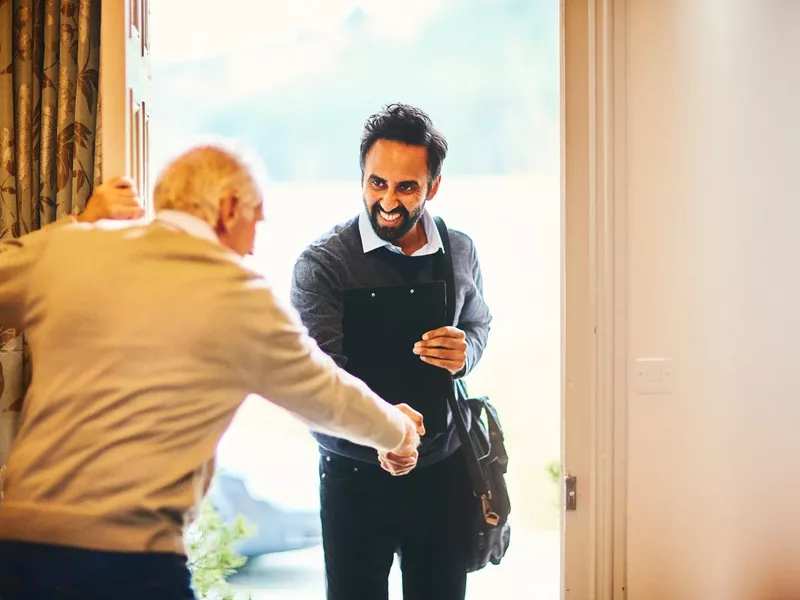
(228, 213)
(236, 224)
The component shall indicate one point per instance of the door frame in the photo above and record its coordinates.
(124, 113)
(594, 260)
(594, 285)
(112, 113)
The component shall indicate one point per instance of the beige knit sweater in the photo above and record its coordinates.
(145, 340)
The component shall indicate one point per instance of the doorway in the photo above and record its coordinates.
(296, 83)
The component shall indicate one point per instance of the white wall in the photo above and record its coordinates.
(713, 195)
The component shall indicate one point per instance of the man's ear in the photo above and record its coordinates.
(228, 207)
(434, 188)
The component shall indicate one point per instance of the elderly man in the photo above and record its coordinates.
(146, 337)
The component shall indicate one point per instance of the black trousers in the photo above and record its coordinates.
(368, 516)
(44, 572)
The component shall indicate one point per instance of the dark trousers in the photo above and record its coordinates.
(368, 515)
(44, 572)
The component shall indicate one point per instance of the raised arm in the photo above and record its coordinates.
(284, 365)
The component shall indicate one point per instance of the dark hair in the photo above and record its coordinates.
(409, 125)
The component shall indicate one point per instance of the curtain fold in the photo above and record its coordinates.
(49, 76)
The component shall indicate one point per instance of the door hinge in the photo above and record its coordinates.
(570, 492)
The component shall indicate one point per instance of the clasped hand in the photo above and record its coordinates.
(401, 460)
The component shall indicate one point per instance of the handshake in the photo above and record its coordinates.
(403, 459)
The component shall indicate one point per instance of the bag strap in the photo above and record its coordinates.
(447, 270)
(479, 484)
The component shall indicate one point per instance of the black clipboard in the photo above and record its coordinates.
(381, 326)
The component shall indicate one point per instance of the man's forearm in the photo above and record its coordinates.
(476, 342)
(296, 374)
(331, 401)
(475, 320)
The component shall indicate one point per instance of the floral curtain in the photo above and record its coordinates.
(49, 72)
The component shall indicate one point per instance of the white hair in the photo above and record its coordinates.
(197, 179)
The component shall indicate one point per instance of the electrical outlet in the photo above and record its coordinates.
(653, 376)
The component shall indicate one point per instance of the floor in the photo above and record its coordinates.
(530, 571)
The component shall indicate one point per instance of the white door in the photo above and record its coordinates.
(124, 90)
(594, 360)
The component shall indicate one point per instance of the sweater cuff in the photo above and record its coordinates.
(395, 430)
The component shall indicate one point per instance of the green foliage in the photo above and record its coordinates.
(212, 558)
(554, 470)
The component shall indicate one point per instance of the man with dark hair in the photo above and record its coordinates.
(370, 293)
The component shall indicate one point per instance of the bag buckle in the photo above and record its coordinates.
(491, 517)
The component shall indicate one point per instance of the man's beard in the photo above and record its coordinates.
(407, 221)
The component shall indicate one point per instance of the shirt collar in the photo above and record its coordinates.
(187, 223)
(370, 240)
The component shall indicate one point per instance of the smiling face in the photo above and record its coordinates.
(395, 190)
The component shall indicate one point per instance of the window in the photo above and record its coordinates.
(296, 82)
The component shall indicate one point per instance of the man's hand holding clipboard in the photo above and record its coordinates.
(445, 347)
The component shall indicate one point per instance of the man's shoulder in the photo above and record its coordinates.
(161, 246)
(68, 234)
(458, 236)
(460, 242)
(338, 242)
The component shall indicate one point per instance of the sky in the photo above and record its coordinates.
(181, 31)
